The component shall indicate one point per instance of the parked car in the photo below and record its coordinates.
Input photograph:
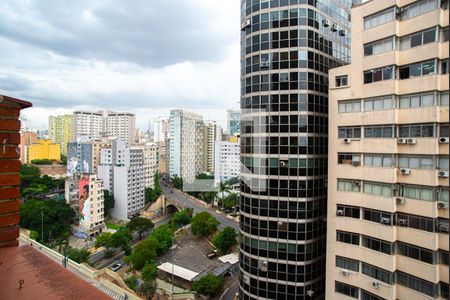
(116, 267)
(213, 254)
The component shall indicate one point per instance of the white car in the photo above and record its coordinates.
(115, 267)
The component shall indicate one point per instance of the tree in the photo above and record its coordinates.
(140, 225)
(109, 200)
(143, 253)
(34, 235)
(208, 197)
(63, 160)
(148, 289)
(177, 182)
(42, 161)
(209, 285)
(225, 239)
(131, 282)
(121, 239)
(231, 201)
(152, 194)
(149, 271)
(103, 240)
(78, 255)
(54, 216)
(204, 224)
(163, 237)
(62, 241)
(181, 218)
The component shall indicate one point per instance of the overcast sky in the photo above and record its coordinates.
(142, 56)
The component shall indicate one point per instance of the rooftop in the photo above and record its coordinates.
(42, 277)
(178, 271)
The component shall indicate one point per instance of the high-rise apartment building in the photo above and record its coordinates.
(151, 163)
(233, 121)
(226, 160)
(122, 171)
(161, 137)
(61, 130)
(287, 48)
(83, 156)
(388, 216)
(212, 134)
(186, 145)
(94, 125)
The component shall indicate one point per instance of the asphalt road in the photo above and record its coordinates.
(230, 292)
(182, 200)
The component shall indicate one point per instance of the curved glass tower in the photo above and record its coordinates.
(287, 47)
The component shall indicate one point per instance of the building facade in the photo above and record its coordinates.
(43, 149)
(233, 121)
(83, 156)
(89, 124)
(186, 149)
(287, 48)
(61, 130)
(212, 134)
(151, 163)
(120, 125)
(388, 216)
(122, 171)
(26, 138)
(227, 161)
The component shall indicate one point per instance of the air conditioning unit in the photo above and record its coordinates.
(334, 27)
(347, 141)
(411, 141)
(264, 64)
(401, 141)
(399, 200)
(385, 221)
(326, 23)
(376, 284)
(342, 32)
(356, 163)
(442, 204)
(246, 24)
(283, 163)
(263, 266)
(402, 222)
(345, 272)
(443, 174)
(443, 140)
(310, 293)
(443, 228)
(340, 213)
(405, 171)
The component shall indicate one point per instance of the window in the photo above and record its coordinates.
(445, 34)
(349, 132)
(443, 99)
(416, 130)
(443, 257)
(418, 39)
(417, 284)
(349, 159)
(377, 216)
(379, 18)
(444, 66)
(347, 237)
(416, 253)
(418, 192)
(379, 131)
(417, 100)
(342, 80)
(377, 160)
(378, 189)
(384, 45)
(417, 222)
(365, 295)
(443, 195)
(419, 69)
(443, 163)
(349, 211)
(349, 106)
(349, 185)
(347, 263)
(418, 8)
(377, 273)
(346, 289)
(380, 74)
(415, 162)
(379, 103)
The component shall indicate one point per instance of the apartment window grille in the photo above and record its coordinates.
(418, 222)
(381, 46)
(349, 185)
(378, 189)
(418, 193)
(349, 106)
(379, 103)
(416, 130)
(349, 132)
(417, 284)
(418, 39)
(346, 289)
(378, 160)
(379, 74)
(415, 162)
(417, 253)
(378, 216)
(347, 263)
(349, 211)
(379, 18)
(379, 131)
(349, 159)
(347, 237)
(378, 273)
(417, 100)
(377, 245)
(418, 69)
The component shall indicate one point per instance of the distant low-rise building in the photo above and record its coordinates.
(227, 161)
(26, 138)
(43, 149)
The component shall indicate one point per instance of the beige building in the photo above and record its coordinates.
(26, 138)
(388, 216)
(212, 134)
(151, 164)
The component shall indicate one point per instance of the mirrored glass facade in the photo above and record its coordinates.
(287, 48)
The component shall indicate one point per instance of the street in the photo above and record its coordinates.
(181, 199)
(230, 292)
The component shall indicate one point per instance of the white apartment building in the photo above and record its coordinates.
(151, 163)
(122, 170)
(161, 130)
(227, 160)
(213, 133)
(88, 124)
(186, 145)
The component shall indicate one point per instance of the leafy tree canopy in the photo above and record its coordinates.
(143, 253)
(181, 218)
(140, 225)
(204, 224)
(209, 285)
(78, 255)
(163, 237)
(225, 239)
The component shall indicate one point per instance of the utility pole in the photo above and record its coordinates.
(42, 225)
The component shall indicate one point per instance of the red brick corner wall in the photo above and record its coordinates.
(9, 170)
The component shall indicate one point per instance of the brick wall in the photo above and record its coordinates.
(9, 169)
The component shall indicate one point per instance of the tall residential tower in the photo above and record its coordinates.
(388, 216)
(287, 48)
